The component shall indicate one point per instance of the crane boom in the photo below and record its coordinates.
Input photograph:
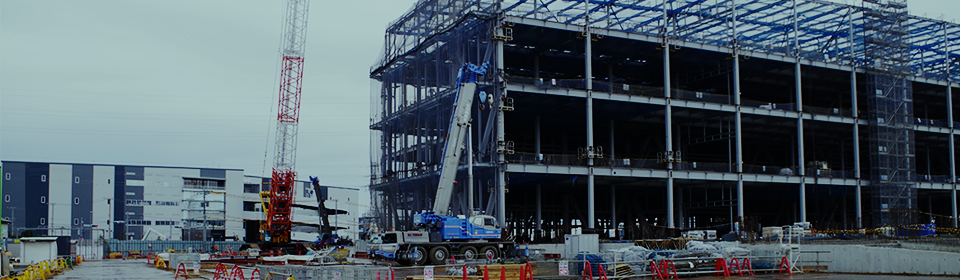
(325, 228)
(459, 126)
(288, 116)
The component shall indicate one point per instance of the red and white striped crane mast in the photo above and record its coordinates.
(288, 115)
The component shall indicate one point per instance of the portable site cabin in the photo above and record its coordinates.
(38, 249)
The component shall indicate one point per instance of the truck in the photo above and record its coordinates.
(440, 236)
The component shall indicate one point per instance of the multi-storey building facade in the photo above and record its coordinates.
(636, 118)
(137, 202)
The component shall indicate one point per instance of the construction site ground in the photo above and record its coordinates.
(116, 269)
(138, 269)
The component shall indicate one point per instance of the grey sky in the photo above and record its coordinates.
(193, 83)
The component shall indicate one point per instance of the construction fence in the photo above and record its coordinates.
(546, 269)
(160, 246)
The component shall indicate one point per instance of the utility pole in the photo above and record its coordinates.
(336, 217)
(110, 220)
(126, 224)
(53, 213)
(204, 204)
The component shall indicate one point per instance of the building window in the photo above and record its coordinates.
(307, 192)
(6, 176)
(76, 179)
(168, 203)
(138, 223)
(6, 198)
(43, 199)
(43, 221)
(76, 200)
(43, 178)
(165, 223)
(251, 188)
(251, 206)
(204, 184)
(137, 202)
(76, 222)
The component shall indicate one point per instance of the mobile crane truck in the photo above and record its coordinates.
(441, 235)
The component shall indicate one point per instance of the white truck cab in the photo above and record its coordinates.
(485, 221)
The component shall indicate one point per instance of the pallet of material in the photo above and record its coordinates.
(622, 269)
(662, 244)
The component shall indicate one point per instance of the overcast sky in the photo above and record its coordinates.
(194, 82)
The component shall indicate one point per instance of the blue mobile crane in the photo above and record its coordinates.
(441, 235)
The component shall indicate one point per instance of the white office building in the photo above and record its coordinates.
(152, 202)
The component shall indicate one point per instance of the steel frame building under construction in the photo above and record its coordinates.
(638, 118)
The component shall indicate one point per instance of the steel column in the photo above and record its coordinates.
(501, 157)
(613, 208)
(738, 122)
(799, 101)
(612, 154)
(953, 162)
(800, 149)
(856, 146)
(536, 136)
(588, 59)
(668, 126)
(536, 69)
(539, 216)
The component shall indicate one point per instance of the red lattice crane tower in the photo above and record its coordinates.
(288, 115)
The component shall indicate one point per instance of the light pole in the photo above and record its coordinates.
(204, 204)
(53, 213)
(126, 225)
(336, 216)
(110, 220)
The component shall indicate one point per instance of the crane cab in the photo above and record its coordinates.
(485, 222)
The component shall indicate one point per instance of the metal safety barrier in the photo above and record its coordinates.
(45, 269)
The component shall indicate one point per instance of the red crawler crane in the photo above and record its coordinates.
(288, 115)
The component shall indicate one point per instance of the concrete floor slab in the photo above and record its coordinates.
(115, 270)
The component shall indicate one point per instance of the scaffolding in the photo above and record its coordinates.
(416, 86)
(890, 104)
(414, 80)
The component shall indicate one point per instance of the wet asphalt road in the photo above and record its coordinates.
(115, 270)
